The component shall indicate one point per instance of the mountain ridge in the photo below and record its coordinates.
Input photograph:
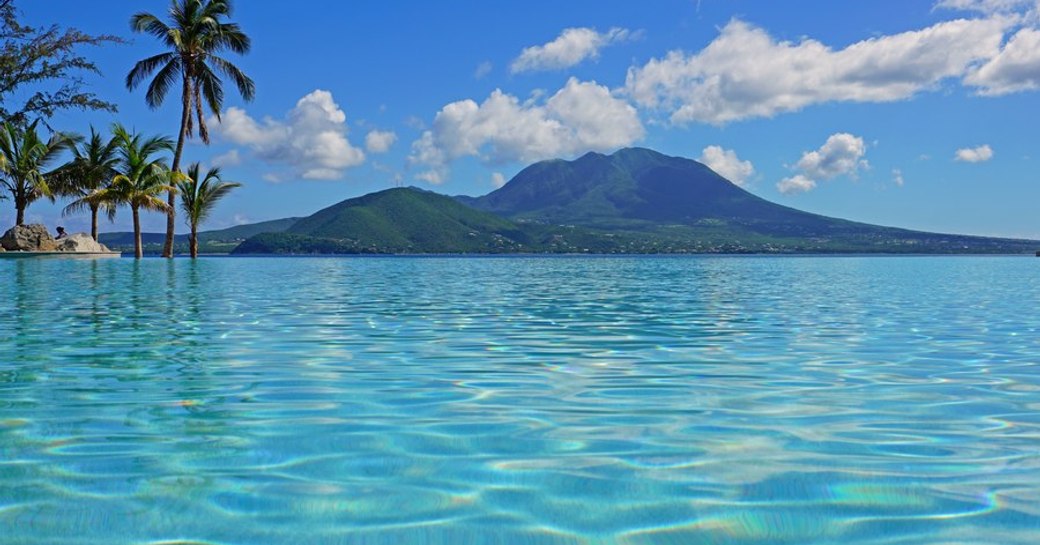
(635, 200)
(398, 220)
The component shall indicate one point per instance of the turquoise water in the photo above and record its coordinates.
(835, 400)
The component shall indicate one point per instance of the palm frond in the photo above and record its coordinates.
(212, 91)
(75, 207)
(164, 79)
(230, 36)
(200, 193)
(145, 67)
(150, 24)
(246, 86)
(193, 33)
(200, 115)
(25, 158)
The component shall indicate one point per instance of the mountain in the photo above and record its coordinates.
(642, 191)
(217, 240)
(635, 187)
(634, 201)
(400, 220)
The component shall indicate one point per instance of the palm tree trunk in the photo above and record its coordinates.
(19, 206)
(194, 241)
(138, 250)
(172, 214)
(93, 221)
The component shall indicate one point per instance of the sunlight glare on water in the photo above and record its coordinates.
(521, 400)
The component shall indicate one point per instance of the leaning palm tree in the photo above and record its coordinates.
(92, 168)
(24, 157)
(141, 178)
(195, 34)
(199, 195)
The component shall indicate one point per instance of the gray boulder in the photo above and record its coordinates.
(28, 238)
(80, 242)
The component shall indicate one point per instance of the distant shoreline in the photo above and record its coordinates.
(590, 255)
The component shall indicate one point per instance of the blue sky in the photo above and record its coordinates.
(918, 114)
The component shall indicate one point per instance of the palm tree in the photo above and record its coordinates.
(23, 158)
(141, 178)
(194, 36)
(199, 195)
(92, 168)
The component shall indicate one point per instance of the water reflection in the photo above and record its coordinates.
(519, 400)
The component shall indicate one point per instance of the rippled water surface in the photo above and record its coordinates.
(520, 400)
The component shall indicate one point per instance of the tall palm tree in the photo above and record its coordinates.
(141, 178)
(24, 157)
(199, 195)
(92, 168)
(195, 35)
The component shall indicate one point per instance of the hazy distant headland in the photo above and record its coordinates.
(635, 201)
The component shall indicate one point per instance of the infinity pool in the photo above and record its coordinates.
(831, 400)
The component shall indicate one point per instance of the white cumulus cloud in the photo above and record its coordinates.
(746, 73)
(841, 155)
(380, 141)
(727, 164)
(796, 184)
(580, 117)
(311, 140)
(1016, 68)
(978, 154)
(571, 47)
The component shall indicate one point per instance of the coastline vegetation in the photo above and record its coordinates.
(195, 35)
(92, 168)
(199, 195)
(41, 74)
(635, 201)
(24, 157)
(141, 177)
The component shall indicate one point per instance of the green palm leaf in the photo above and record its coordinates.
(24, 158)
(194, 33)
(141, 177)
(200, 194)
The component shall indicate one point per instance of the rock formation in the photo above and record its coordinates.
(28, 238)
(36, 238)
(80, 242)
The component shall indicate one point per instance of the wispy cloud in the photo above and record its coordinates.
(571, 47)
(483, 69)
(230, 159)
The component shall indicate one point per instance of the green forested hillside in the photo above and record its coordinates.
(402, 220)
(634, 201)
